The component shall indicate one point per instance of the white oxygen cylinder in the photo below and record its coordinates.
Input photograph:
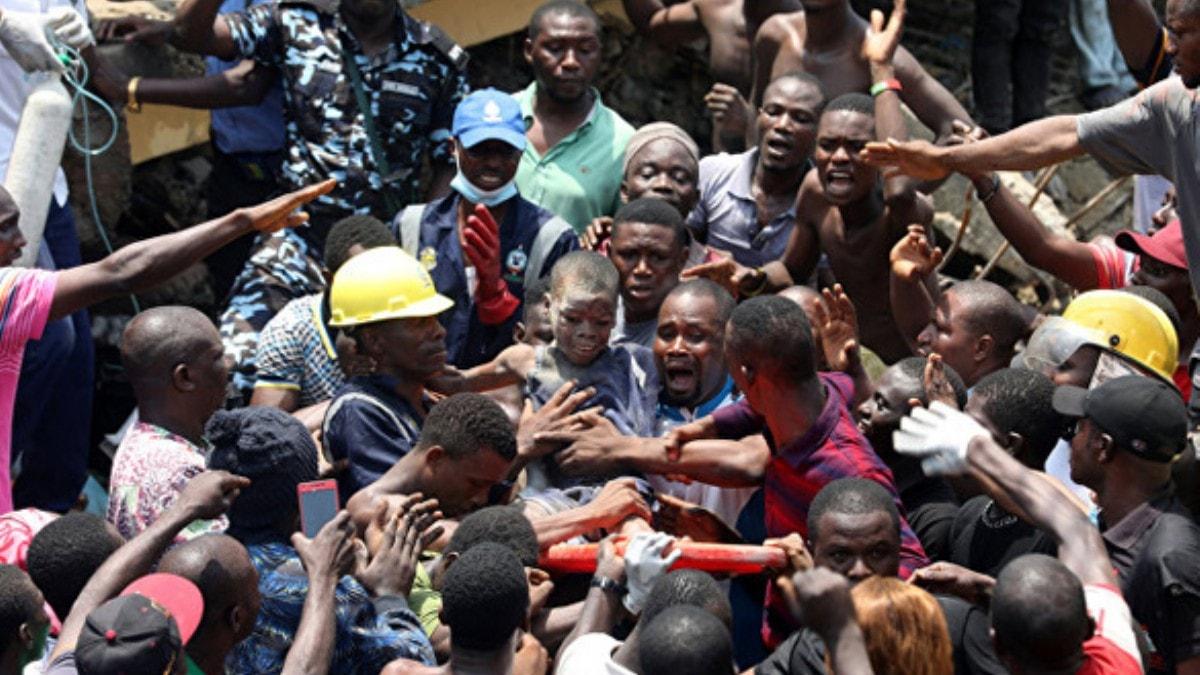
(36, 154)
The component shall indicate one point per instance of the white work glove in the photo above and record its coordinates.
(23, 36)
(70, 27)
(644, 564)
(940, 436)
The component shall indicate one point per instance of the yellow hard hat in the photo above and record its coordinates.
(380, 284)
(1130, 326)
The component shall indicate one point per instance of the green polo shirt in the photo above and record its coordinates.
(579, 178)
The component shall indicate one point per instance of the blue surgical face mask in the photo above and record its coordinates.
(488, 198)
(475, 195)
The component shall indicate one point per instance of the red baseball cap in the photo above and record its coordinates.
(1166, 245)
(177, 595)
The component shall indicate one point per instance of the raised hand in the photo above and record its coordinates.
(210, 494)
(939, 436)
(912, 257)
(598, 231)
(919, 159)
(837, 323)
(796, 554)
(281, 212)
(937, 385)
(730, 111)
(481, 245)
(331, 553)
(405, 533)
(646, 559)
(880, 43)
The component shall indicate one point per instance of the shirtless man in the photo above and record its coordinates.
(729, 26)
(824, 39)
(845, 211)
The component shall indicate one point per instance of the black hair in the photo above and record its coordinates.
(852, 496)
(992, 310)
(18, 603)
(464, 423)
(587, 270)
(1038, 612)
(776, 330)
(688, 640)
(536, 292)
(687, 587)
(914, 367)
(856, 102)
(707, 288)
(504, 525)
(65, 553)
(159, 339)
(1020, 401)
(1159, 300)
(485, 598)
(365, 231)
(571, 8)
(807, 79)
(652, 211)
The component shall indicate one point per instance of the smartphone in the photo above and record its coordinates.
(318, 505)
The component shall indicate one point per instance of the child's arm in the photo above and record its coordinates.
(510, 367)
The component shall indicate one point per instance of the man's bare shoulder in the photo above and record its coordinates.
(811, 205)
(782, 28)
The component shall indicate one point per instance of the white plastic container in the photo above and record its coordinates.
(36, 155)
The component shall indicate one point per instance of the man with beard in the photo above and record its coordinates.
(1152, 133)
(572, 164)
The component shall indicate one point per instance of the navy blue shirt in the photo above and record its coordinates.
(468, 341)
(372, 426)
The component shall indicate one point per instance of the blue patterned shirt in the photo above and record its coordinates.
(412, 89)
(370, 632)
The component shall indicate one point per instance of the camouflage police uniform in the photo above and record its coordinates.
(412, 89)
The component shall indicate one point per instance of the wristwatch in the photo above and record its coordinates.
(608, 585)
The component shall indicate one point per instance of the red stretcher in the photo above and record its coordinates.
(714, 558)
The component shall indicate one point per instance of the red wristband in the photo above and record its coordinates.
(885, 85)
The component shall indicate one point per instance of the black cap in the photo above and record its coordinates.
(128, 634)
(1144, 415)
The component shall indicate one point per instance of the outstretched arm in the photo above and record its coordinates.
(205, 497)
(509, 368)
(149, 262)
(1031, 146)
(245, 84)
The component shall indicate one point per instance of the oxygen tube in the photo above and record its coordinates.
(76, 75)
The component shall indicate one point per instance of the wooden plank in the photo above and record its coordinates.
(162, 129)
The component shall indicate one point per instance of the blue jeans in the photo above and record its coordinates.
(53, 411)
(1100, 61)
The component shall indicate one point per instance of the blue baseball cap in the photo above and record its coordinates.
(489, 114)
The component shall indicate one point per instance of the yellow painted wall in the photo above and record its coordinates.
(471, 22)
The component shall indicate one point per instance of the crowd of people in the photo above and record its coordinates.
(503, 327)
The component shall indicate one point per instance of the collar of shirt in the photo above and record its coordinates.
(681, 414)
(1126, 533)
(321, 316)
(820, 430)
(741, 185)
(404, 29)
(383, 387)
(526, 98)
(165, 434)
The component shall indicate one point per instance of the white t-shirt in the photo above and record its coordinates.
(15, 88)
(591, 654)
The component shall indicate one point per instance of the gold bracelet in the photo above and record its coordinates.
(132, 104)
(758, 286)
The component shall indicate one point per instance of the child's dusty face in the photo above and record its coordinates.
(582, 323)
